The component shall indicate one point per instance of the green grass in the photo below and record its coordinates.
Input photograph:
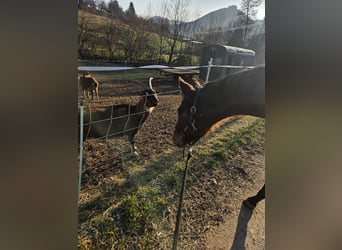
(135, 210)
(220, 154)
(172, 180)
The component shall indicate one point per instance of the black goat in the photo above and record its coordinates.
(120, 120)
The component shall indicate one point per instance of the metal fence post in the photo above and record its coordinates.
(81, 150)
(210, 63)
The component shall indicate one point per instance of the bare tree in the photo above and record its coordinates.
(134, 40)
(111, 35)
(177, 11)
(85, 35)
(129, 42)
(249, 7)
(83, 26)
(161, 27)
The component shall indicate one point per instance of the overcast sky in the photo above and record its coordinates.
(199, 6)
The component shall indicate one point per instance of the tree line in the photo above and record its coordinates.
(112, 9)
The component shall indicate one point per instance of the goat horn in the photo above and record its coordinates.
(150, 83)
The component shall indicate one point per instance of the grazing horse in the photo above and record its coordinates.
(89, 84)
(203, 107)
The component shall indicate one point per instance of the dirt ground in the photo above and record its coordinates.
(217, 204)
(251, 230)
(213, 217)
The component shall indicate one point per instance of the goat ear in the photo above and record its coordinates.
(186, 88)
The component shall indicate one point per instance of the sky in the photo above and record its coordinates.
(202, 7)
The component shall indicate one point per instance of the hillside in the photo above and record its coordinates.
(145, 41)
(218, 21)
(221, 18)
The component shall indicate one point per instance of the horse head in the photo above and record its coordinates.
(189, 128)
(205, 108)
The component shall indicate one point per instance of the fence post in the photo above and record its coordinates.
(210, 63)
(81, 150)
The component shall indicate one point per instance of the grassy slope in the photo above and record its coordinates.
(137, 211)
(97, 22)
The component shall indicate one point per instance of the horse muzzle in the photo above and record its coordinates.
(178, 140)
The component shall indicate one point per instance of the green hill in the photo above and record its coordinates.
(134, 40)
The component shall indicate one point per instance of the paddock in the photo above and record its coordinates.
(227, 167)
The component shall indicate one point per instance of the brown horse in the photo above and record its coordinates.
(203, 107)
(89, 84)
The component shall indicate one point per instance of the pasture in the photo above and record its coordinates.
(131, 202)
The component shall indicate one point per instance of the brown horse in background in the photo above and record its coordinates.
(89, 85)
(203, 107)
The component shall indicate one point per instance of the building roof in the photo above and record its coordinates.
(235, 50)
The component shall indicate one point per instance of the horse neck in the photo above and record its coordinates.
(233, 95)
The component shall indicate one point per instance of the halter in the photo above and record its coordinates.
(193, 111)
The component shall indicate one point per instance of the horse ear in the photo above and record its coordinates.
(185, 87)
(197, 82)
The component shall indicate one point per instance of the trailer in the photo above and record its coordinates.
(224, 55)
